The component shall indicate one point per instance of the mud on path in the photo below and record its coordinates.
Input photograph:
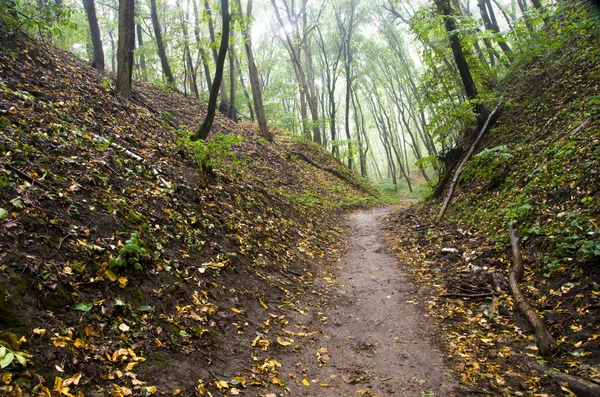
(377, 339)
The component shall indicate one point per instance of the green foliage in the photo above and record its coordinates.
(130, 254)
(213, 153)
(488, 163)
(8, 357)
(28, 16)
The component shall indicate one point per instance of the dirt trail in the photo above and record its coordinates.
(377, 340)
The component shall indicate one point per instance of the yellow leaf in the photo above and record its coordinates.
(284, 342)
(278, 382)
(73, 379)
(221, 384)
(263, 304)
(123, 281)
(6, 378)
(61, 341)
(131, 366)
(60, 387)
(151, 389)
(236, 310)
(305, 382)
(111, 276)
(39, 331)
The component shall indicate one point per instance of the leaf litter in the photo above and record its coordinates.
(128, 269)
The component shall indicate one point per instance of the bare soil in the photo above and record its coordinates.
(376, 339)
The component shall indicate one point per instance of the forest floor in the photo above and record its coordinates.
(375, 337)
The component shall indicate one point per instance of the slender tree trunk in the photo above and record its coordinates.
(203, 56)
(248, 99)
(362, 153)
(191, 74)
(254, 79)
(90, 11)
(204, 129)
(113, 55)
(231, 110)
(164, 61)
(213, 40)
(143, 69)
(126, 46)
(490, 23)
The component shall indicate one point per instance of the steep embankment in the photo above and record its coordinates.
(538, 168)
(131, 263)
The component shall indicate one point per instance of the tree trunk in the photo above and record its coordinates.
(203, 56)
(490, 23)
(192, 71)
(213, 40)
(231, 110)
(248, 99)
(126, 45)
(444, 8)
(362, 153)
(144, 70)
(254, 79)
(204, 129)
(164, 61)
(90, 11)
(113, 55)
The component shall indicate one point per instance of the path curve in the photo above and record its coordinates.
(377, 340)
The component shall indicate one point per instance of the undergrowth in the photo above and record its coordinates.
(538, 168)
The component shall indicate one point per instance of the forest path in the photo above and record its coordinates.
(377, 339)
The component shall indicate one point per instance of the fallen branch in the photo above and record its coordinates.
(581, 387)
(484, 295)
(136, 157)
(25, 176)
(465, 159)
(543, 338)
(337, 173)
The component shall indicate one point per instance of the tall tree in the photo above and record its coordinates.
(330, 66)
(98, 57)
(346, 26)
(164, 61)
(231, 110)
(253, 73)
(201, 52)
(192, 74)
(143, 70)
(204, 129)
(125, 46)
(445, 10)
(295, 43)
(491, 24)
(213, 40)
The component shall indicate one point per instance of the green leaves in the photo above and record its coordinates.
(7, 357)
(83, 307)
(130, 254)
